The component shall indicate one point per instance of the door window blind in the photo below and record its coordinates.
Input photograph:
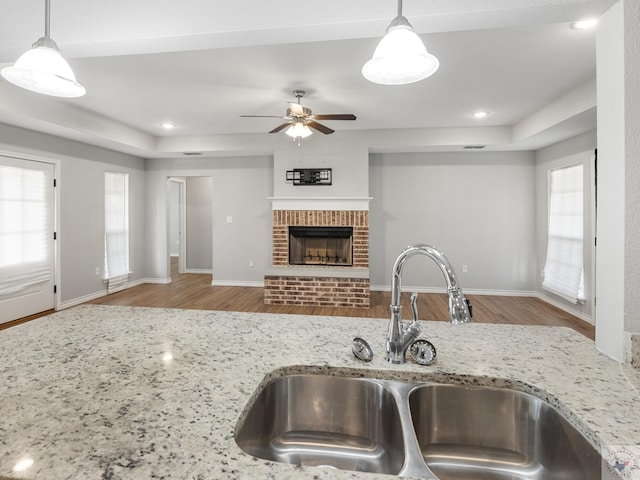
(24, 207)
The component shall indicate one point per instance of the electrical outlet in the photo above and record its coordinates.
(97, 271)
(229, 219)
(251, 264)
(464, 269)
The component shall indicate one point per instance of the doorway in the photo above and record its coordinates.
(190, 224)
(177, 226)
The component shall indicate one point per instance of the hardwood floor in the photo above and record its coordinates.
(194, 291)
(13, 323)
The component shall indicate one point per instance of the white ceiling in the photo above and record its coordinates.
(202, 63)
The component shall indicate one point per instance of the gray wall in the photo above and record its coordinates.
(241, 186)
(578, 150)
(478, 208)
(240, 190)
(199, 221)
(346, 155)
(81, 208)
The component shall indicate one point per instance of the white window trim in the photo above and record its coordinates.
(563, 283)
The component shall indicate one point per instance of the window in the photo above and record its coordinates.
(564, 270)
(116, 229)
(24, 234)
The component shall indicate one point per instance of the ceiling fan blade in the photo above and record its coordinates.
(319, 127)
(335, 116)
(263, 116)
(296, 108)
(280, 127)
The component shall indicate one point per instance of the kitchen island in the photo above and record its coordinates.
(105, 392)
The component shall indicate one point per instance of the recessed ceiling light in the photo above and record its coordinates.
(168, 125)
(584, 24)
(480, 114)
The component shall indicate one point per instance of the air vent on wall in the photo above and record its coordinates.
(473, 147)
(192, 154)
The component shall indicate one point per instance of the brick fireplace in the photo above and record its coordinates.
(326, 285)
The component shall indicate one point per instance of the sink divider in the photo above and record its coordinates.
(414, 465)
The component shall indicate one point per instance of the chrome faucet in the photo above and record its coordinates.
(400, 337)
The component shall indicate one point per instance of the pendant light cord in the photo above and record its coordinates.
(47, 16)
(399, 7)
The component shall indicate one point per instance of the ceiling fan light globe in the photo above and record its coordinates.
(298, 130)
(44, 70)
(400, 58)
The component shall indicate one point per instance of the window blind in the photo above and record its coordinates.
(24, 255)
(116, 239)
(563, 270)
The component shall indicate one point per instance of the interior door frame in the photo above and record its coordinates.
(594, 231)
(182, 251)
(57, 176)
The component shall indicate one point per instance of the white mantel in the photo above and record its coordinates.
(320, 203)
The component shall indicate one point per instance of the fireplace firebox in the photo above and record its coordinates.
(321, 246)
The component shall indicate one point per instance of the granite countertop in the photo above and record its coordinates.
(85, 393)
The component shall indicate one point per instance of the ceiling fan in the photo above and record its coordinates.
(300, 119)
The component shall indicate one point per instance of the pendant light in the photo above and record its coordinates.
(400, 57)
(43, 69)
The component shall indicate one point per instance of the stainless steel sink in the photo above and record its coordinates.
(344, 423)
(422, 430)
(497, 434)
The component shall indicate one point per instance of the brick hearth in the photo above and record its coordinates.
(317, 291)
(304, 286)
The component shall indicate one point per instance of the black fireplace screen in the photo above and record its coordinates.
(321, 246)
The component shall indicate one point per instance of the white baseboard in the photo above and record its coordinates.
(202, 271)
(500, 293)
(470, 291)
(162, 281)
(77, 301)
(581, 315)
(237, 283)
(102, 293)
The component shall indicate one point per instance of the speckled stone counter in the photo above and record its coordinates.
(87, 393)
(635, 351)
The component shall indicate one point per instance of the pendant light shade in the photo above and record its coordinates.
(43, 69)
(400, 57)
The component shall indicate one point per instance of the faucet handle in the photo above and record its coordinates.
(469, 306)
(414, 307)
